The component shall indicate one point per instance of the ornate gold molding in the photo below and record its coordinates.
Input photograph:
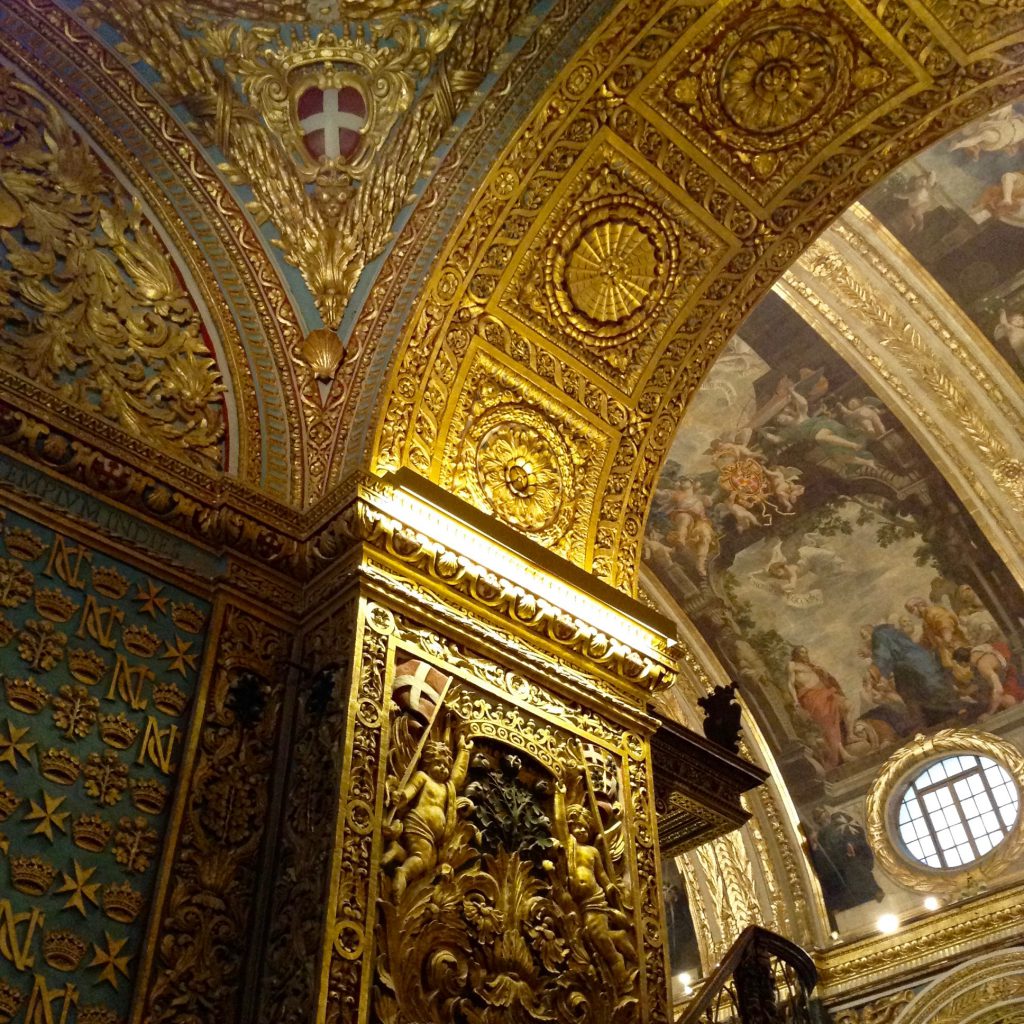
(897, 90)
(411, 528)
(879, 1011)
(921, 946)
(986, 990)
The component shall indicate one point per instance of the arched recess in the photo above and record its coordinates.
(546, 392)
(213, 258)
(986, 990)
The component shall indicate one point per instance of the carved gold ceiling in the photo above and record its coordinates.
(529, 331)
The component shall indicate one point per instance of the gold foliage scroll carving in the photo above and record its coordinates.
(514, 876)
(92, 307)
(880, 1011)
(202, 938)
(334, 212)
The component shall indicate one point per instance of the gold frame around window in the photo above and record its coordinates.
(883, 807)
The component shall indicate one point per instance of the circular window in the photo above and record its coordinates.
(957, 810)
(944, 811)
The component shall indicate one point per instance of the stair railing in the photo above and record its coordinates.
(763, 979)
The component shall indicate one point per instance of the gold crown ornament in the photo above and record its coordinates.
(140, 640)
(86, 666)
(187, 617)
(63, 949)
(60, 766)
(91, 832)
(9, 801)
(121, 902)
(10, 1000)
(23, 544)
(55, 605)
(148, 795)
(25, 695)
(95, 1015)
(169, 699)
(109, 582)
(118, 731)
(31, 875)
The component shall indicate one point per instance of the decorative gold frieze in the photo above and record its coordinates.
(880, 1011)
(481, 821)
(987, 990)
(416, 529)
(921, 945)
(972, 27)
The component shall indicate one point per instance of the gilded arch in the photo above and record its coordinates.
(622, 120)
(986, 990)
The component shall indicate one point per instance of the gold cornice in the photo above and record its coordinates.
(958, 931)
(500, 580)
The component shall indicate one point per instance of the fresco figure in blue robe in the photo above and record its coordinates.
(917, 674)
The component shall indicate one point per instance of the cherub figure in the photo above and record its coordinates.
(592, 890)
(863, 414)
(425, 812)
(918, 197)
(1011, 330)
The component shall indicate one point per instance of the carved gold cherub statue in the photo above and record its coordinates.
(425, 812)
(592, 889)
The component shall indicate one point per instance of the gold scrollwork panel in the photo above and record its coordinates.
(496, 855)
(93, 310)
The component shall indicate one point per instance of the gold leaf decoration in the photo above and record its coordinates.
(91, 304)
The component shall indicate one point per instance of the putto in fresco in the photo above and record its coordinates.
(840, 580)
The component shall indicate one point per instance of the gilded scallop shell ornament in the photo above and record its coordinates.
(323, 351)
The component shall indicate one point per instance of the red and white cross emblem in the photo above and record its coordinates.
(330, 120)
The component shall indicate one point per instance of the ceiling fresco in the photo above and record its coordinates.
(959, 209)
(812, 541)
